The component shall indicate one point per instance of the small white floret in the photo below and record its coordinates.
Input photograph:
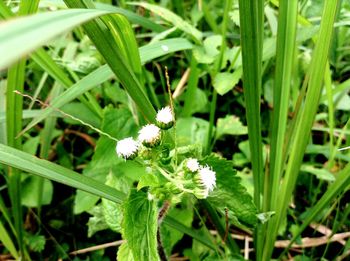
(192, 165)
(127, 148)
(208, 177)
(165, 115)
(149, 134)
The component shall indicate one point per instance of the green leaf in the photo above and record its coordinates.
(120, 124)
(124, 253)
(192, 131)
(320, 173)
(171, 236)
(97, 221)
(7, 242)
(172, 18)
(224, 82)
(140, 226)
(37, 30)
(229, 193)
(147, 180)
(154, 50)
(43, 168)
(230, 125)
(35, 242)
(113, 212)
(31, 184)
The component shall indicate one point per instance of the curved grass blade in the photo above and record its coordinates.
(173, 19)
(102, 74)
(46, 169)
(37, 30)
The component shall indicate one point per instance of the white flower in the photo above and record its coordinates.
(207, 177)
(192, 165)
(165, 118)
(127, 148)
(150, 135)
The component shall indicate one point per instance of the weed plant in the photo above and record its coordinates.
(174, 130)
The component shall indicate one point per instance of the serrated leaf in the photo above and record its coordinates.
(229, 193)
(224, 82)
(35, 242)
(124, 253)
(97, 221)
(147, 180)
(113, 212)
(230, 125)
(140, 226)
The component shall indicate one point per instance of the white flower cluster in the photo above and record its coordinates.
(149, 135)
(205, 177)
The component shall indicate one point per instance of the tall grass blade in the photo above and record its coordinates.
(251, 26)
(305, 121)
(286, 44)
(105, 43)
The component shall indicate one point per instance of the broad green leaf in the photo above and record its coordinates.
(31, 184)
(199, 102)
(140, 226)
(37, 30)
(192, 131)
(320, 173)
(230, 125)
(120, 124)
(229, 193)
(113, 212)
(148, 180)
(224, 82)
(124, 253)
(172, 18)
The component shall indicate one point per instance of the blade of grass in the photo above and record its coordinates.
(104, 73)
(304, 123)
(14, 107)
(46, 169)
(286, 44)
(251, 21)
(105, 43)
(7, 242)
(37, 30)
(173, 19)
(341, 183)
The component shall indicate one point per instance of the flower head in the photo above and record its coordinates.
(127, 148)
(206, 181)
(207, 177)
(192, 165)
(150, 135)
(165, 118)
